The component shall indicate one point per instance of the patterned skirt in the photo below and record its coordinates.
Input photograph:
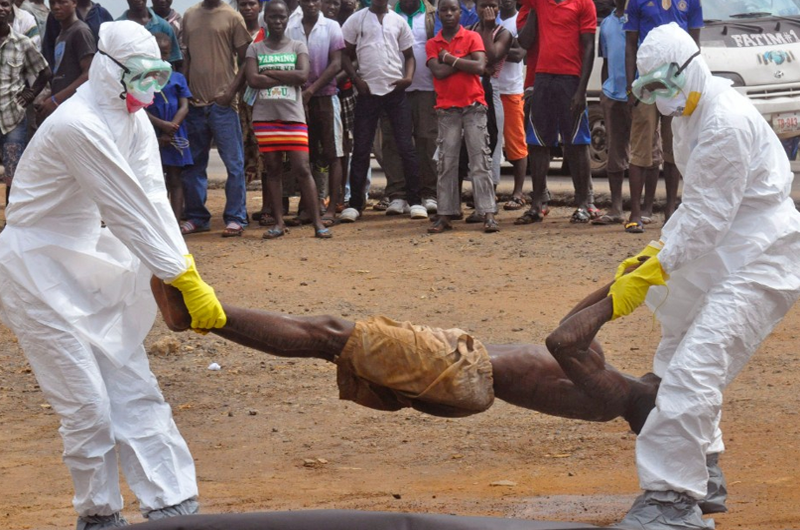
(281, 136)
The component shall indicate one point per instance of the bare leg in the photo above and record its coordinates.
(580, 169)
(520, 167)
(615, 180)
(308, 189)
(540, 163)
(636, 178)
(672, 178)
(175, 190)
(650, 186)
(273, 171)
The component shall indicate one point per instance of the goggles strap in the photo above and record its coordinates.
(124, 69)
(686, 64)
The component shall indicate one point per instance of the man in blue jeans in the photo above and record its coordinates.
(213, 34)
(383, 43)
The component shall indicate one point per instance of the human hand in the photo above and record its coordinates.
(632, 263)
(26, 97)
(488, 16)
(306, 97)
(401, 84)
(224, 98)
(577, 105)
(45, 109)
(173, 127)
(361, 86)
(629, 291)
(164, 140)
(200, 298)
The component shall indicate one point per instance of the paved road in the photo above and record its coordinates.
(560, 186)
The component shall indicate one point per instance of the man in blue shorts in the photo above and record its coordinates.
(565, 31)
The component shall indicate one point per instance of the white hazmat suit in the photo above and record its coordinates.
(77, 295)
(731, 251)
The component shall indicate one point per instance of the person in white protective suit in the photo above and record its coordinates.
(725, 273)
(77, 294)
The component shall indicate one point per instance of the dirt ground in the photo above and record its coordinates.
(270, 434)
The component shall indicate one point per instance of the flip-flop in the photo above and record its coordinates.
(275, 233)
(188, 227)
(646, 220)
(634, 228)
(233, 229)
(328, 221)
(608, 220)
(323, 233)
(532, 216)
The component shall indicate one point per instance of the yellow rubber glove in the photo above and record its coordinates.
(629, 290)
(652, 249)
(199, 297)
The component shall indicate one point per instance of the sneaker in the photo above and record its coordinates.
(664, 510)
(100, 522)
(430, 205)
(417, 212)
(397, 207)
(349, 215)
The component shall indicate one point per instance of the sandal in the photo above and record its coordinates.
(646, 220)
(491, 226)
(299, 220)
(608, 220)
(275, 233)
(515, 203)
(634, 228)
(532, 216)
(580, 216)
(188, 227)
(474, 218)
(382, 205)
(441, 224)
(594, 211)
(233, 229)
(323, 233)
(328, 221)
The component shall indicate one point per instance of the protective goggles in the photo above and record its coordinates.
(663, 82)
(141, 73)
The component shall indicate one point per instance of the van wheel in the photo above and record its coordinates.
(598, 148)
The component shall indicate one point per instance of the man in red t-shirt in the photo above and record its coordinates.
(457, 58)
(560, 34)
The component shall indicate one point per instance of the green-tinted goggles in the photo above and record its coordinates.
(663, 82)
(141, 73)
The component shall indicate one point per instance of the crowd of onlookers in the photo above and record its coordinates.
(293, 92)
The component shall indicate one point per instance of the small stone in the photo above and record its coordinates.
(506, 483)
(397, 496)
(252, 412)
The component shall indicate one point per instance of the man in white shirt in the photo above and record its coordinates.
(324, 39)
(383, 43)
(421, 98)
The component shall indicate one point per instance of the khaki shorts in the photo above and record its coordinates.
(647, 145)
(617, 115)
(388, 365)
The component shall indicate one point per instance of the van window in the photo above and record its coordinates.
(716, 10)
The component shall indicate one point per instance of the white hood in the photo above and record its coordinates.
(121, 40)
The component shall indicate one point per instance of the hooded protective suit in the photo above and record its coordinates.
(731, 251)
(77, 295)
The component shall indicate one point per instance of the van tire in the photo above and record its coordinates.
(598, 153)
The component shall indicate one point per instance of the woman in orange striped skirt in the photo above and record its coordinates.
(276, 68)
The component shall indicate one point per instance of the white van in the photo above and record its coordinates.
(755, 44)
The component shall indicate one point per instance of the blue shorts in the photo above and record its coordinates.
(550, 119)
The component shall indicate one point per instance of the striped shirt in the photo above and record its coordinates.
(19, 59)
